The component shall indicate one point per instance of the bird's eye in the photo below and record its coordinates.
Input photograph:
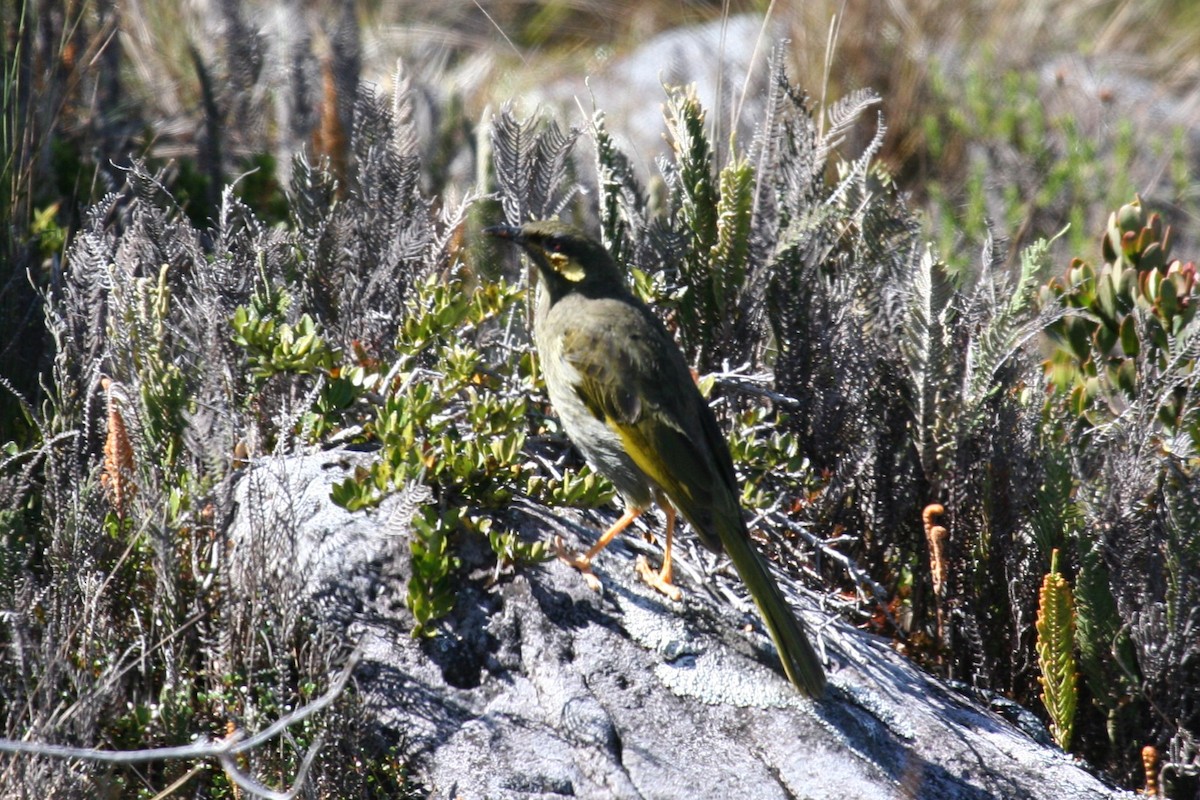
(555, 244)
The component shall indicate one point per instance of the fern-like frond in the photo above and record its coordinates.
(924, 343)
(1004, 319)
(404, 137)
(1181, 555)
(530, 159)
(843, 115)
(854, 174)
(1104, 652)
(552, 170)
(622, 201)
(311, 192)
(767, 146)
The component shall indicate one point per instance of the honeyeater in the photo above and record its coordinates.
(627, 399)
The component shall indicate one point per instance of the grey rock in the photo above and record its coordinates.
(540, 688)
(725, 60)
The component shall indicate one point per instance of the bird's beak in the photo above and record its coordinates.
(509, 232)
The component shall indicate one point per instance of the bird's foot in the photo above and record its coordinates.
(659, 580)
(581, 563)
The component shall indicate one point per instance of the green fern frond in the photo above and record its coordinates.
(925, 347)
(1055, 517)
(853, 175)
(1097, 631)
(1007, 327)
(1035, 260)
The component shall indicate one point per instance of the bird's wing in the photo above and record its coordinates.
(644, 392)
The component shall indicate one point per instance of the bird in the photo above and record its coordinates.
(626, 397)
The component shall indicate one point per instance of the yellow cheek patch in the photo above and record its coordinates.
(566, 267)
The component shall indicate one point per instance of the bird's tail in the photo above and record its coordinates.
(800, 661)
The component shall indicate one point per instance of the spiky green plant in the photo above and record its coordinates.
(1056, 653)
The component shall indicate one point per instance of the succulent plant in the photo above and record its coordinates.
(1126, 317)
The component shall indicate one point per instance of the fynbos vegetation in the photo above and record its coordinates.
(995, 468)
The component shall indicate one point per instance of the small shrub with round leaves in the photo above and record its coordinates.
(1128, 323)
(457, 415)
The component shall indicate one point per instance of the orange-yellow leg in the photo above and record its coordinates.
(584, 563)
(661, 580)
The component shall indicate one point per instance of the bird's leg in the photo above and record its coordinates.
(584, 563)
(661, 580)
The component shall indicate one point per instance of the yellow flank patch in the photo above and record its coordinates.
(566, 267)
(637, 448)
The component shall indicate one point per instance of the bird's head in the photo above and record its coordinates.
(566, 258)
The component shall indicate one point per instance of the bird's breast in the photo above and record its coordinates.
(599, 443)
